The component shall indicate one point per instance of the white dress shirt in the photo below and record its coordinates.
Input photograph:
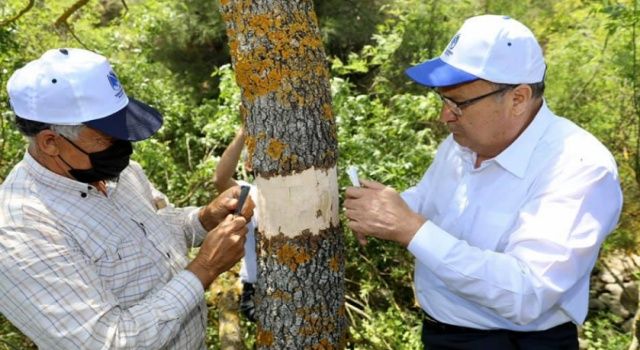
(79, 270)
(511, 244)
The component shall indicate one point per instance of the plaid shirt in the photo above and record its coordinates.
(81, 270)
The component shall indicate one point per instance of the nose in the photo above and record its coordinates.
(447, 115)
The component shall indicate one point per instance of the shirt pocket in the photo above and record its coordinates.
(124, 266)
(489, 228)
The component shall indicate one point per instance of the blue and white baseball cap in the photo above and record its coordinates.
(76, 86)
(495, 48)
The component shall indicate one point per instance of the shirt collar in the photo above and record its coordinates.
(49, 178)
(516, 157)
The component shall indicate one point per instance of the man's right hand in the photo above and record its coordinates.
(213, 213)
(222, 248)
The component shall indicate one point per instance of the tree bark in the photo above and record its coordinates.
(282, 71)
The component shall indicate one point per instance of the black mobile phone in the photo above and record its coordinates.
(244, 192)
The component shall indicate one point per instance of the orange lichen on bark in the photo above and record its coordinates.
(334, 264)
(264, 337)
(250, 142)
(292, 256)
(282, 295)
(276, 53)
(327, 111)
(324, 344)
(243, 113)
(275, 149)
(316, 325)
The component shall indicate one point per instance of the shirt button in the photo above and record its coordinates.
(83, 195)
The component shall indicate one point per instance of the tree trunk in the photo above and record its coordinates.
(291, 140)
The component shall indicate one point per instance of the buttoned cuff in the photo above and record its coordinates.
(431, 244)
(181, 295)
(195, 228)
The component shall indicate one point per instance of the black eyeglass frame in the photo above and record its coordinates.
(457, 107)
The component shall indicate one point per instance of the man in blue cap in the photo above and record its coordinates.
(507, 222)
(92, 256)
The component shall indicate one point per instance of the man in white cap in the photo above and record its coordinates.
(507, 222)
(92, 256)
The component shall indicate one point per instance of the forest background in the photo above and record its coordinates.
(174, 55)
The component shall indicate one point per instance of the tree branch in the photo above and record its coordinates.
(126, 8)
(22, 12)
(62, 20)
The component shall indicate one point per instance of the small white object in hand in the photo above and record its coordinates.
(352, 171)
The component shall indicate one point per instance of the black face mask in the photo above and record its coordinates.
(105, 165)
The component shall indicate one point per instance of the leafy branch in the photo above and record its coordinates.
(18, 15)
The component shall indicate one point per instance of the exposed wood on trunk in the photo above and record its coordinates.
(291, 140)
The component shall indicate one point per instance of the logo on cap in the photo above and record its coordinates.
(115, 84)
(452, 44)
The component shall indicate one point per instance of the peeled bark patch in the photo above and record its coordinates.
(290, 205)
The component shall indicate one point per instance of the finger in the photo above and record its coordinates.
(372, 184)
(350, 214)
(230, 204)
(238, 222)
(247, 209)
(356, 192)
(349, 204)
(362, 239)
(233, 192)
(242, 232)
(229, 223)
(355, 228)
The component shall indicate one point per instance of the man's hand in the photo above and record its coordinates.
(223, 205)
(379, 211)
(221, 249)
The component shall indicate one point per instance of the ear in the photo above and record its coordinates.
(522, 95)
(45, 140)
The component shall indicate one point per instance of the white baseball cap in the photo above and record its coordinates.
(76, 86)
(495, 48)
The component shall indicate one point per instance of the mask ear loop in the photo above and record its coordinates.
(64, 161)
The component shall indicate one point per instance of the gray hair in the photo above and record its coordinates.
(30, 128)
(71, 132)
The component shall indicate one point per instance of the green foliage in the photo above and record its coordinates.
(601, 333)
(174, 55)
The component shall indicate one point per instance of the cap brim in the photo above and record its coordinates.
(437, 73)
(137, 121)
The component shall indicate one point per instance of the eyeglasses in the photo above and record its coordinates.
(457, 107)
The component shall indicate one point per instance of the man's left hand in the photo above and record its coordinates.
(213, 214)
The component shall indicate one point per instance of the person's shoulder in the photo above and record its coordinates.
(20, 198)
(135, 174)
(572, 144)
